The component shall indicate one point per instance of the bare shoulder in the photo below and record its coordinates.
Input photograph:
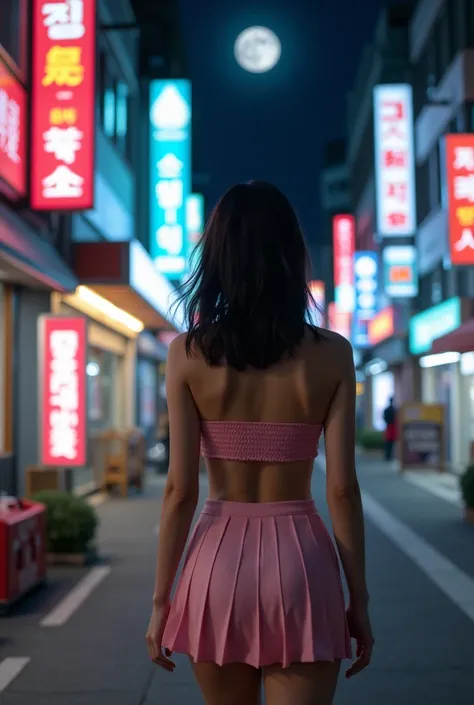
(177, 356)
(177, 346)
(187, 364)
(336, 350)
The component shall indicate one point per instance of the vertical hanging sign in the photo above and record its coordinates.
(13, 126)
(170, 174)
(63, 111)
(460, 185)
(343, 235)
(394, 160)
(62, 373)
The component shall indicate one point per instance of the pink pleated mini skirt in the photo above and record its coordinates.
(260, 585)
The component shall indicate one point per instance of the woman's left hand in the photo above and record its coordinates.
(154, 638)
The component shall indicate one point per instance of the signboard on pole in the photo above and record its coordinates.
(422, 442)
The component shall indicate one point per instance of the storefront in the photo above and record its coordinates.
(386, 370)
(122, 295)
(456, 349)
(441, 379)
(30, 270)
(110, 372)
(150, 398)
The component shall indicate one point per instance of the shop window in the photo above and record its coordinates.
(469, 109)
(115, 103)
(434, 171)
(468, 12)
(455, 12)
(101, 373)
(11, 29)
(442, 44)
(426, 75)
(423, 191)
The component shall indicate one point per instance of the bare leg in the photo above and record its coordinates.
(301, 684)
(231, 684)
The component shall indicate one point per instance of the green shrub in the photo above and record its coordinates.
(71, 522)
(467, 486)
(370, 440)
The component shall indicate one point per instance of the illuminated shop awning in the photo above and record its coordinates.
(460, 340)
(27, 259)
(124, 274)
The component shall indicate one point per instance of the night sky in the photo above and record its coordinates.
(273, 126)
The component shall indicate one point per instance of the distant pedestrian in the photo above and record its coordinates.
(390, 419)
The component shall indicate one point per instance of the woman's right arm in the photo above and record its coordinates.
(344, 497)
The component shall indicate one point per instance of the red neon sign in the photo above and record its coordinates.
(63, 112)
(63, 359)
(343, 233)
(460, 177)
(12, 133)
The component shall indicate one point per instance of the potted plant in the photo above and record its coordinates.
(71, 525)
(370, 440)
(467, 491)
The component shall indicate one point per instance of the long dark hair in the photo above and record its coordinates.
(247, 301)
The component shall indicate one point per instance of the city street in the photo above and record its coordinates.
(80, 641)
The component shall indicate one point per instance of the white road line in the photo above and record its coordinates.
(10, 668)
(447, 489)
(455, 583)
(66, 608)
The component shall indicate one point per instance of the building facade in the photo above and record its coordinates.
(442, 54)
(31, 265)
(89, 263)
(380, 344)
(334, 199)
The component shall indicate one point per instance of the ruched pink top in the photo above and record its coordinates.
(256, 441)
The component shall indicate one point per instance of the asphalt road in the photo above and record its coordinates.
(96, 655)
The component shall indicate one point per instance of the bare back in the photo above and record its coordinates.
(299, 390)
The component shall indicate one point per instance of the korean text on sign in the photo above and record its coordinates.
(460, 177)
(64, 395)
(393, 121)
(12, 132)
(63, 104)
(170, 174)
(63, 392)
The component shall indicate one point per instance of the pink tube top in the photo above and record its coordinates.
(256, 441)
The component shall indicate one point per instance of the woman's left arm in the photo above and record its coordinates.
(181, 492)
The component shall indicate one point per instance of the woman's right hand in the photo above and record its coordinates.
(360, 629)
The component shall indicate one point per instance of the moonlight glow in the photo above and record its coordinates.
(257, 49)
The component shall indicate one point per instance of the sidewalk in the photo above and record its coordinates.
(98, 656)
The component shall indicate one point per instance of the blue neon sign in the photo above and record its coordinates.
(433, 323)
(170, 174)
(365, 276)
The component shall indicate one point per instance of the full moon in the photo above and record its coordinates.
(257, 49)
